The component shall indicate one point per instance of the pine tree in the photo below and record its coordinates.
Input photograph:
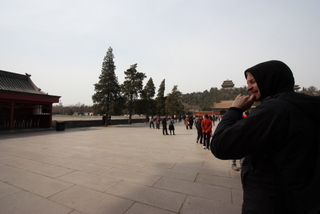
(107, 89)
(132, 87)
(161, 100)
(149, 90)
(174, 104)
(147, 104)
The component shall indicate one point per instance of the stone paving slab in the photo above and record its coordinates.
(196, 189)
(26, 202)
(156, 197)
(38, 167)
(139, 208)
(90, 201)
(34, 183)
(123, 169)
(202, 205)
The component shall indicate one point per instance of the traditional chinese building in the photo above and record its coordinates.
(22, 104)
(202, 113)
(227, 84)
(222, 107)
(296, 88)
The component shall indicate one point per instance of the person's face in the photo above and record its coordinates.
(253, 87)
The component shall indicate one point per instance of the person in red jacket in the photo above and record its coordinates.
(206, 126)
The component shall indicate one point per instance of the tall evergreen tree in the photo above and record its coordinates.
(313, 91)
(174, 104)
(147, 103)
(149, 90)
(161, 100)
(107, 89)
(206, 98)
(131, 87)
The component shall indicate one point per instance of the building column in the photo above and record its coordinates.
(11, 116)
(50, 117)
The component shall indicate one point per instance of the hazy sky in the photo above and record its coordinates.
(194, 44)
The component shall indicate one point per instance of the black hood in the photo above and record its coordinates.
(310, 105)
(272, 77)
(275, 79)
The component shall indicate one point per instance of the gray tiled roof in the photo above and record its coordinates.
(227, 84)
(13, 82)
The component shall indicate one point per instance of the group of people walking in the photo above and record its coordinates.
(203, 126)
(188, 121)
(164, 126)
(164, 121)
(204, 130)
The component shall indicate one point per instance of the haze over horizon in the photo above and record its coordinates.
(195, 45)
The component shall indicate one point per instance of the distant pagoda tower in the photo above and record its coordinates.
(227, 84)
(296, 88)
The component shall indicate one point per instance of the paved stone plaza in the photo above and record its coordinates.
(123, 169)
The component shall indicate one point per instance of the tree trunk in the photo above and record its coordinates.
(106, 120)
(129, 120)
(130, 109)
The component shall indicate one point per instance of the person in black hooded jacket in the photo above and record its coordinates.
(279, 140)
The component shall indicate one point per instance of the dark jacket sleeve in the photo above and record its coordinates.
(236, 137)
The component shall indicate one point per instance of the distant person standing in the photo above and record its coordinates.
(199, 129)
(158, 122)
(186, 122)
(190, 121)
(206, 126)
(164, 126)
(151, 121)
(171, 126)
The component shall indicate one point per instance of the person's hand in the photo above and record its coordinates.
(243, 102)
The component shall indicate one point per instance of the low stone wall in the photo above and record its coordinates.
(89, 123)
